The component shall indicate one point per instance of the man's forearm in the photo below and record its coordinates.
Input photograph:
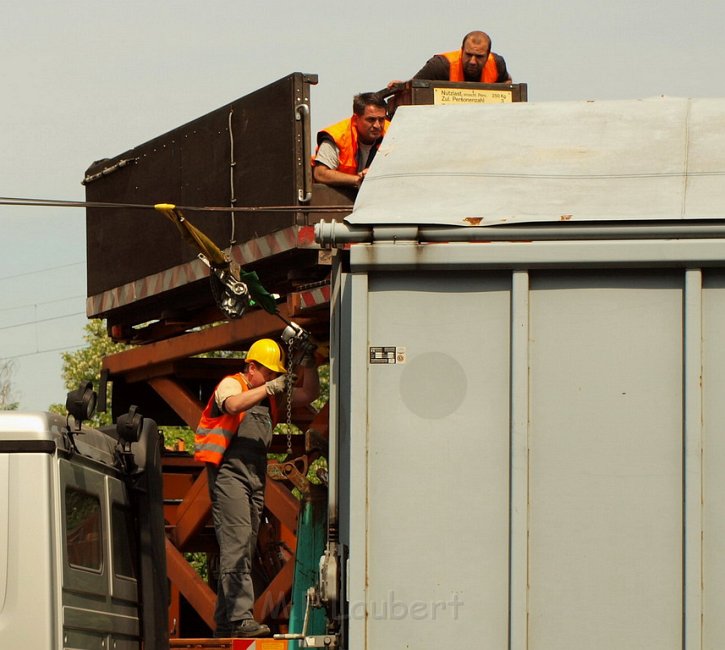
(329, 176)
(245, 400)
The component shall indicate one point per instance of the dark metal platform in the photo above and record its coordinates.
(253, 152)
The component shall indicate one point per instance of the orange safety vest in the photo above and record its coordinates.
(489, 74)
(345, 137)
(214, 434)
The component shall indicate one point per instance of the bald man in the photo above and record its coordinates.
(473, 62)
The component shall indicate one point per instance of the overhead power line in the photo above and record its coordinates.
(46, 270)
(42, 320)
(37, 352)
(54, 203)
(39, 304)
(43, 303)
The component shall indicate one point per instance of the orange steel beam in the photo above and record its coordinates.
(176, 485)
(186, 406)
(200, 368)
(271, 600)
(174, 611)
(257, 324)
(145, 373)
(193, 511)
(288, 538)
(194, 589)
(280, 502)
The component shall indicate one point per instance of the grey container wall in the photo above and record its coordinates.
(542, 467)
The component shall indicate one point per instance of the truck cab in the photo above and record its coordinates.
(75, 570)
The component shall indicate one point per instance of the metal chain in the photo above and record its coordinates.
(290, 388)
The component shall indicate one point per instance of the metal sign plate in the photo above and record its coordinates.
(471, 96)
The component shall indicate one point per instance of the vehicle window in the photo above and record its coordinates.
(124, 542)
(84, 539)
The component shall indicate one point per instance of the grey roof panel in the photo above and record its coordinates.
(660, 158)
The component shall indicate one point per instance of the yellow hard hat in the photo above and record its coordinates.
(267, 353)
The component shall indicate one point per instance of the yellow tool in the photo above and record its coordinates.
(233, 289)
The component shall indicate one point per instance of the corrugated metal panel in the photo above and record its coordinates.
(713, 460)
(605, 560)
(438, 456)
(542, 466)
(661, 158)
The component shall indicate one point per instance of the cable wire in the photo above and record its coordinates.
(45, 302)
(51, 268)
(32, 354)
(41, 320)
(57, 203)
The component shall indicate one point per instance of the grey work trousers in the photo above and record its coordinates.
(236, 488)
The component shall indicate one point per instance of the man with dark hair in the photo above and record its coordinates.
(345, 150)
(473, 62)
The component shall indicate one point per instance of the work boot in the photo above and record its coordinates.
(249, 629)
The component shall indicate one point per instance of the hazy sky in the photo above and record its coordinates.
(84, 80)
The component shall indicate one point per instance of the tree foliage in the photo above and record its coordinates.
(84, 365)
(7, 368)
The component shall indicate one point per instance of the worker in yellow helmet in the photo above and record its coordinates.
(232, 438)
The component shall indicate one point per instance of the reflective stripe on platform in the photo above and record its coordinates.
(183, 274)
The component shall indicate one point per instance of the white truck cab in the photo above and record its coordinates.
(80, 509)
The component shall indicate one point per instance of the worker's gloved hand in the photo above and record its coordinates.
(278, 385)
